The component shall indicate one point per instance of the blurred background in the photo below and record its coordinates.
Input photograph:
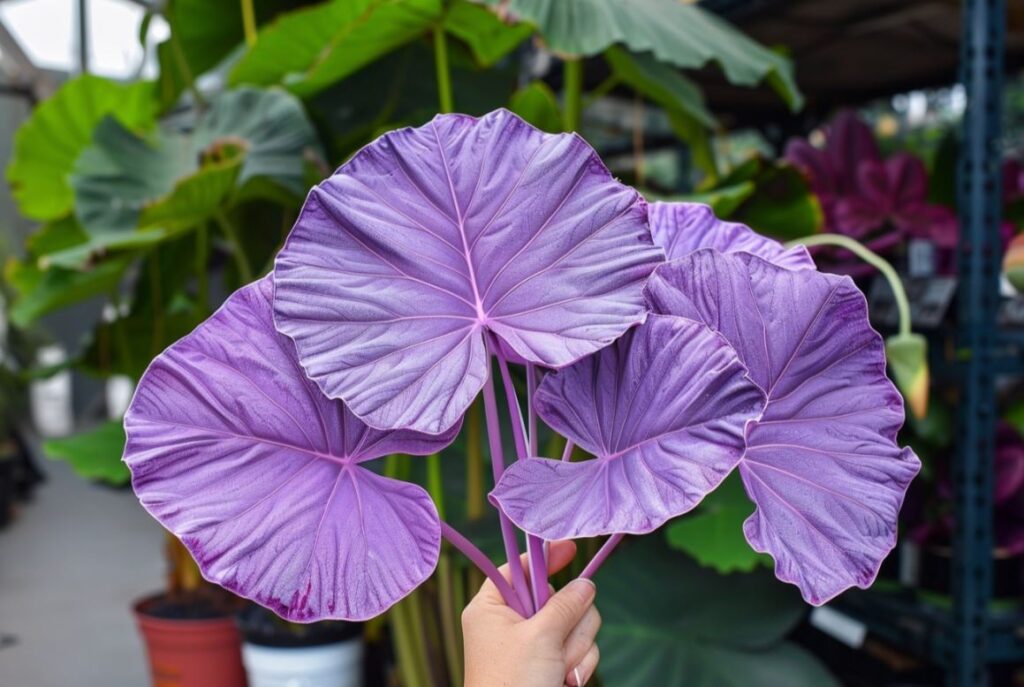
(158, 152)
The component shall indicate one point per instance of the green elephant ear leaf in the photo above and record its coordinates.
(94, 454)
(678, 33)
(206, 34)
(41, 290)
(660, 83)
(311, 48)
(487, 36)
(668, 621)
(538, 104)
(713, 534)
(248, 140)
(59, 129)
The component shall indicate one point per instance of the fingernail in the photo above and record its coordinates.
(576, 674)
(585, 587)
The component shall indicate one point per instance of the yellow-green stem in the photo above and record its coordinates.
(873, 259)
(449, 613)
(404, 633)
(237, 247)
(202, 276)
(475, 504)
(444, 77)
(572, 92)
(249, 22)
(186, 71)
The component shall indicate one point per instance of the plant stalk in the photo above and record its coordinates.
(475, 502)
(202, 276)
(573, 92)
(484, 564)
(508, 532)
(601, 556)
(238, 249)
(444, 76)
(873, 259)
(249, 22)
(567, 452)
(534, 544)
(531, 409)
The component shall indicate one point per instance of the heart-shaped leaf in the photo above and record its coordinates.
(93, 454)
(238, 454)
(175, 180)
(679, 33)
(663, 411)
(668, 621)
(822, 464)
(681, 228)
(430, 236)
(48, 143)
(311, 48)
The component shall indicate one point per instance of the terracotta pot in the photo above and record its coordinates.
(191, 653)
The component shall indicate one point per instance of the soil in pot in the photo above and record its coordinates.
(191, 641)
(277, 653)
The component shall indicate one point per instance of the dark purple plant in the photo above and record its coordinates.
(437, 254)
(880, 202)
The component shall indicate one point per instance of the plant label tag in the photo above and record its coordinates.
(920, 258)
(839, 626)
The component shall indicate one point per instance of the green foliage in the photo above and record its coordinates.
(309, 49)
(677, 33)
(489, 38)
(202, 37)
(668, 621)
(48, 143)
(660, 83)
(538, 104)
(95, 454)
(40, 291)
(780, 205)
(713, 534)
(248, 139)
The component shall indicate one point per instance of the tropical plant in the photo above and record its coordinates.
(423, 270)
(161, 196)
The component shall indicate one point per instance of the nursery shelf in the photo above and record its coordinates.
(927, 629)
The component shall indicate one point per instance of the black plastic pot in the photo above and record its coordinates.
(1007, 573)
(8, 465)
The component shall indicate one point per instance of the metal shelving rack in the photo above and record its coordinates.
(968, 638)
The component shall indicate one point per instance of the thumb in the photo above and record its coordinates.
(566, 608)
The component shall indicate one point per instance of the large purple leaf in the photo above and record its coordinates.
(429, 236)
(239, 455)
(681, 228)
(663, 411)
(822, 464)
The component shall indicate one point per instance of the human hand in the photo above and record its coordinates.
(552, 649)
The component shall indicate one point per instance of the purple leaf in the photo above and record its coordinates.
(240, 456)
(681, 228)
(663, 411)
(428, 236)
(822, 464)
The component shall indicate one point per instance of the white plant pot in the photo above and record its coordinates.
(330, 665)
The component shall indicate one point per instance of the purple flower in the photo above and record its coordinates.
(429, 237)
(261, 476)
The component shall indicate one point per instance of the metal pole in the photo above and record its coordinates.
(83, 36)
(979, 190)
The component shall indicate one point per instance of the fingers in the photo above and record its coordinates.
(566, 609)
(580, 674)
(582, 638)
(560, 554)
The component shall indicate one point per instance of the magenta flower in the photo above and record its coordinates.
(880, 202)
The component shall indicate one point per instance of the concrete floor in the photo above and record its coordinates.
(70, 565)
